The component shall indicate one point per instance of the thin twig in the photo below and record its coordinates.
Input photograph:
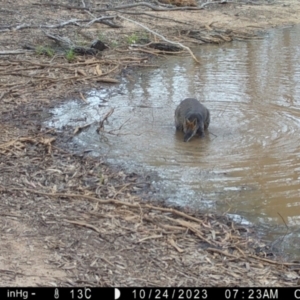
(222, 252)
(67, 195)
(101, 123)
(111, 131)
(162, 37)
(85, 225)
(283, 220)
(273, 261)
(212, 133)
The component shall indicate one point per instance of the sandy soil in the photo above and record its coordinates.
(67, 219)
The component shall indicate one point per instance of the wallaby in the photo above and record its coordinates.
(191, 117)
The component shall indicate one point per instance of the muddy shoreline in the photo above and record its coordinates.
(72, 220)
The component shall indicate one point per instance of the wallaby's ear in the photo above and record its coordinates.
(195, 122)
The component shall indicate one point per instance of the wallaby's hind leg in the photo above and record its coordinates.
(206, 124)
(201, 133)
(200, 130)
(207, 121)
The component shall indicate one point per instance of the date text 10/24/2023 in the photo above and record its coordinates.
(210, 293)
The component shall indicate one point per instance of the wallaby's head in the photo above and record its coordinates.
(189, 129)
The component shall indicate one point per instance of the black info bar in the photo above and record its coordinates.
(133, 293)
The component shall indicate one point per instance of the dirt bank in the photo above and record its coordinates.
(68, 219)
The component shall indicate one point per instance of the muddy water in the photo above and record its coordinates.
(249, 163)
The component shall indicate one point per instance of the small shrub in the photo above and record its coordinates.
(42, 50)
(70, 55)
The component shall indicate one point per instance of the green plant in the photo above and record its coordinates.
(132, 39)
(102, 37)
(70, 55)
(114, 44)
(40, 50)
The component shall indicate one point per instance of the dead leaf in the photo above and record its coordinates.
(172, 242)
(98, 70)
(47, 141)
(81, 72)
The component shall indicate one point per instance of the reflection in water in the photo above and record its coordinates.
(249, 165)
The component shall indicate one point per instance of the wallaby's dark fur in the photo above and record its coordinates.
(192, 118)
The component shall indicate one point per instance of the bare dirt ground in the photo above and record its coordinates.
(68, 219)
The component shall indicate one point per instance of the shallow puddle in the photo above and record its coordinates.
(249, 163)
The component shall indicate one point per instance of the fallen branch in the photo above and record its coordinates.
(85, 225)
(66, 195)
(72, 22)
(222, 252)
(105, 201)
(54, 80)
(120, 127)
(66, 66)
(152, 7)
(155, 8)
(157, 236)
(273, 261)
(187, 225)
(80, 128)
(63, 5)
(163, 38)
(103, 20)
(9, 52)
(61, 40)
(101, 123)
(157, 53)
(176, 212)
